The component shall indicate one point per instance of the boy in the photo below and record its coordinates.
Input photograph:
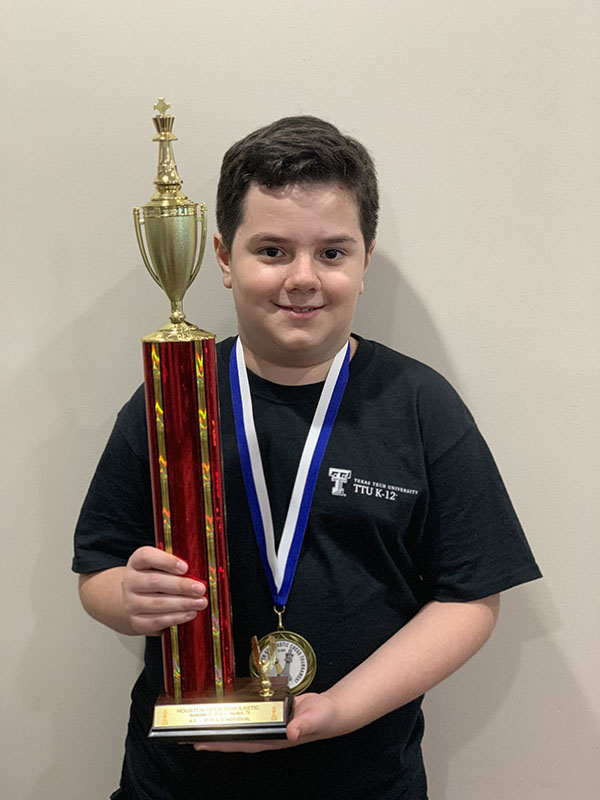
(410, 535)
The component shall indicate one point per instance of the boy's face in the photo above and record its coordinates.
(296, 268)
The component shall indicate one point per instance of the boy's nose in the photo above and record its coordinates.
(302, 274)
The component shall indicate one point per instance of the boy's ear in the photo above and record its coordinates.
(222, 254)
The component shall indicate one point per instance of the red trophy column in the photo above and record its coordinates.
(189, 511)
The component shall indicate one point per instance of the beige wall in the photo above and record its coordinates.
(484, 120)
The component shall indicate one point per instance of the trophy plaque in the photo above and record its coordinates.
(201, 700)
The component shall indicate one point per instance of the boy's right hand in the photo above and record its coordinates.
(156, 593)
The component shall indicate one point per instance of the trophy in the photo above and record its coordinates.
(201, 700)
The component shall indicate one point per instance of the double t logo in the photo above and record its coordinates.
(339, 477)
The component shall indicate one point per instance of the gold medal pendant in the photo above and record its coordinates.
(295, 658)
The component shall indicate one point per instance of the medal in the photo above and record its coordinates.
(295, 656)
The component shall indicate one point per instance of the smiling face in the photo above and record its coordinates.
(296, 268)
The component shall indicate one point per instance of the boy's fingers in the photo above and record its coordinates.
(152, 625)
(146, 558)
(157, 583)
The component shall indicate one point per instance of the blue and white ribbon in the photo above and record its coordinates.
(280, 565)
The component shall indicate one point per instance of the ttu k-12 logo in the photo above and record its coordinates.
(339, 477)
(361, 486)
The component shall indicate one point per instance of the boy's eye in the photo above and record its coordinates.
(271, 252)
(332, 253)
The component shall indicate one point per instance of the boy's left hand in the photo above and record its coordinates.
(315, 717)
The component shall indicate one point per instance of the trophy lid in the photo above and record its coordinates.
(168, 182)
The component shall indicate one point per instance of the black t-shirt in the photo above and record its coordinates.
(408, 507)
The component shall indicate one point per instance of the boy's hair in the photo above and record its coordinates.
(296, 150)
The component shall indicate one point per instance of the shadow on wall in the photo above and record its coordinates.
(392, 313)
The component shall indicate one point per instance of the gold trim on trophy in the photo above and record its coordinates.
(166, 507)
(211, 552)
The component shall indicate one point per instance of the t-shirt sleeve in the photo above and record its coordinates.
(474, 545)
(116, 516)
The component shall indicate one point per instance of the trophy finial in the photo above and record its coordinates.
(168, 181)
(161, 106)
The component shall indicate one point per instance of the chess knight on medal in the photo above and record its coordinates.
(202, 699)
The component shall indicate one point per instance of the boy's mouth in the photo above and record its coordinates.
(300, 309)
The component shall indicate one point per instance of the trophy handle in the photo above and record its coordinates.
(138, 232)
(202, 242)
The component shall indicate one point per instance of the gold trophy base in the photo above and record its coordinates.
(242, 715)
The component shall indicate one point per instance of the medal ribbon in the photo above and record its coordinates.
(280, 565)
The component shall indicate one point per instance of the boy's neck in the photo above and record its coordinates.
(291, 375)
